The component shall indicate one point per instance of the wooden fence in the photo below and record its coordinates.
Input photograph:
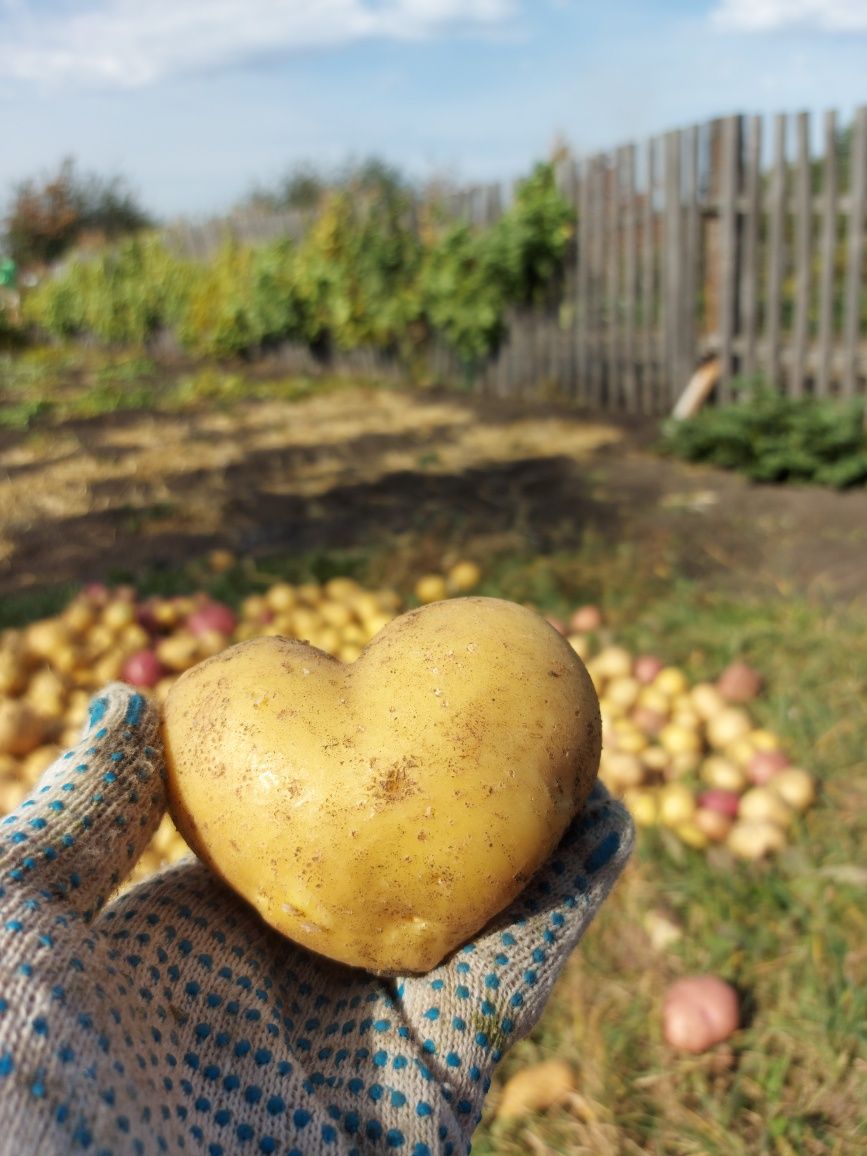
(200, 240)
(737, 242)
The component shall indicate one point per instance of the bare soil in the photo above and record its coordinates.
(363, 468)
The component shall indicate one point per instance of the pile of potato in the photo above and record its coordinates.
(689, 758)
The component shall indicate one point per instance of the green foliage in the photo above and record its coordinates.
(121, 295)
(774, 438)
(462, 295)
(245, 299)
(471, 276)
(373, 271)
(529, 242)
(357, 268)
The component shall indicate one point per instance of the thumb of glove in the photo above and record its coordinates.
(93, 812)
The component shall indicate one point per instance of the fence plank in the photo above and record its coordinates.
(731, 146)
(776, 250)
(648, 304)
(750, 239)
(612, 288)
(855, 251)
(803, 234)
(673, 288)
(582, 280)
(567, 334)
(690, 255)
(660, 234)
(630, 268)
(597, 283)
(828, 245)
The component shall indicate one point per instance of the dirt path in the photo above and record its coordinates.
(356, 467)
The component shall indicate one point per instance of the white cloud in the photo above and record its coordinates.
(130, 43)
(768, 15)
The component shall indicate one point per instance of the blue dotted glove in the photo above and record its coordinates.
(173, 1020)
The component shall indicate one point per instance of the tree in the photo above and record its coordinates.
(48, 216)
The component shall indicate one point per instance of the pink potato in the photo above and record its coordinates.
(647, 667)
(764, 765)
(142, 669)
(698, 1012)
(725, 802)
(212, 616)
(585, 619)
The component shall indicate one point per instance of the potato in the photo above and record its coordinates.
(381, 813)
(22, 729)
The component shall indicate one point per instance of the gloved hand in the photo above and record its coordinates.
(174, 1020)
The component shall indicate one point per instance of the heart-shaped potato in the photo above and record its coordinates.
(382, 812)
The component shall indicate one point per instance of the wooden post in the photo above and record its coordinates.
(829, 243)
(855, 252)
(776, 250)
(803, 232)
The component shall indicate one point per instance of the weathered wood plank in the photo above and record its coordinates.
(597, 282)
(612, 287)
(750, 240)
(729, 187)
(803, 236)
(826, 269)
(673, 289)
(855, 252)
(582, 305)
(691, 254)
(776, 251)
(630, 268)
(648, 288)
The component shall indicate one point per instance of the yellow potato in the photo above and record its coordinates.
(381, 813)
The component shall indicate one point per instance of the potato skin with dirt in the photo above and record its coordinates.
(382, 812)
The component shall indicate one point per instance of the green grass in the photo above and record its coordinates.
(41, 389)
(790, 933)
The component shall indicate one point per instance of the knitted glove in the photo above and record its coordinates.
(174, 1020)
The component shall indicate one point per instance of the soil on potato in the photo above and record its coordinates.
(359, 467)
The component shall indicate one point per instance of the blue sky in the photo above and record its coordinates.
(195, 101)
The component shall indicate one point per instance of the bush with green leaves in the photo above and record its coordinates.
(120, 294)
(373, 271)
(470, 276)
(774, 438)
(243, 300)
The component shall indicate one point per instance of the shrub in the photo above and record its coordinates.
(121, 294)
(774, 438)
(374, 270)
(243, 300)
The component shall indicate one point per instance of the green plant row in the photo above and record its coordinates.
(774, 438)
(377, 270)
